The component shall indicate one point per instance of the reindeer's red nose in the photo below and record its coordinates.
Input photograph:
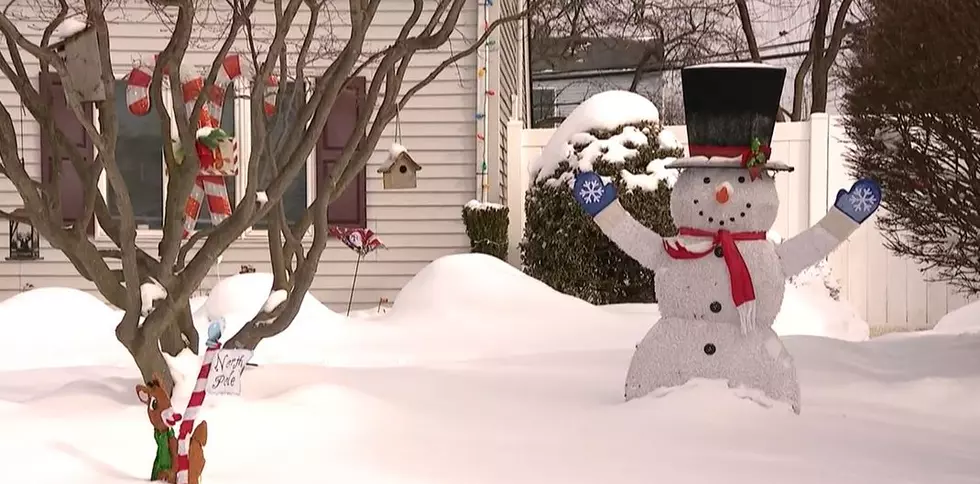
(723, 192)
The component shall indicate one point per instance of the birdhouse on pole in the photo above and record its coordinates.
(79, 48)
(400, 170)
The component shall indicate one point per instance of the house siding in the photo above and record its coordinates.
(417, 226)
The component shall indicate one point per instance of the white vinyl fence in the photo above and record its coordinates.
(885, 289)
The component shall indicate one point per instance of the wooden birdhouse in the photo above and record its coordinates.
(400, 170)
(79, 48)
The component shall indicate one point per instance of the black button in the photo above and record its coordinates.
(715, 307)
(718, 252)
(709, 349)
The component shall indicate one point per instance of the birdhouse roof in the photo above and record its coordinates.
(69, 29)
(401, 158)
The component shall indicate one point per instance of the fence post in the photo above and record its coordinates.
(516, 185)
(817, 178)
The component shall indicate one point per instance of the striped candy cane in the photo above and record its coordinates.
(190, 414)
(232, 67)
(219, 205)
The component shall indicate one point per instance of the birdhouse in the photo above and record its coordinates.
(400, 169)
(25, 244)
(79, 48)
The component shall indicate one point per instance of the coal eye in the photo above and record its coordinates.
(707, 180)
(741, 179)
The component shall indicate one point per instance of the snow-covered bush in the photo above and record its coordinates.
(486, 226)
(562, 246)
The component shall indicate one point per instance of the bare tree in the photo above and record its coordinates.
(673, 32)
(173, 267)
(912, 111)
(294, 265)
(821, 54)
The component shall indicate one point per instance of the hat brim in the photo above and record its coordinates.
(722, 162)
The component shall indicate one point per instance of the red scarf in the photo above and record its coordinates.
(738, 273)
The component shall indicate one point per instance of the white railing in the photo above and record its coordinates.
(885, 289)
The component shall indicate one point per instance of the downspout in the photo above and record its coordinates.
(483, 109)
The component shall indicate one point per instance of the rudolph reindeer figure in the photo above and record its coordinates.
(163, 418)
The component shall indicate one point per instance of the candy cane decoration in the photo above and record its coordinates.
(232, 67)
(210, 181)
(190, 414)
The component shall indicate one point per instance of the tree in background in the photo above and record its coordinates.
(669, 33)
(823, 47)
(295, 43)
(913, 113)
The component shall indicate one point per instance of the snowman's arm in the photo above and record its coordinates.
(815, 243)
(639, 242)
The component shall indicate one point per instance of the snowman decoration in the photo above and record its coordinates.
(720, 282)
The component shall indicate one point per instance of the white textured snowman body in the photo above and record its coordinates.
(702, 334)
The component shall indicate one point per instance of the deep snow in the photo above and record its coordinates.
(479, 374)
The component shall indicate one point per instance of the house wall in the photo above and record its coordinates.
(417, 226)
(886, 290)
(569, 93)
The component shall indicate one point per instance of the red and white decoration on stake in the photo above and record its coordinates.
(360, 240)
(221, 374)
(217, 151)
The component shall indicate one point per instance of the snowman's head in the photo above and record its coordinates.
(724, 198)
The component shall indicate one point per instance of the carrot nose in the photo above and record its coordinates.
(723, 193)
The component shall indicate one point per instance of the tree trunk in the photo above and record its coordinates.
(180, 334)
(150, 360)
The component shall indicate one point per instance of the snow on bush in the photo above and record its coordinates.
(618, 136)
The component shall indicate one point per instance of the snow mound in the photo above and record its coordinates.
(59, 327)
(812, 305)
(238, 298)
(461, 282)
(606, 110)
(965, 320)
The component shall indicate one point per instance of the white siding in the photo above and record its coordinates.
(418, 226)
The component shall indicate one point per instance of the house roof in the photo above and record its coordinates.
(577, 54)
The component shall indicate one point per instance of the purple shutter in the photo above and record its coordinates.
(70, 185)
(351, 208)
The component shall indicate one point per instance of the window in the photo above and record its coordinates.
(544, 104)
(70, 184)
(139, 155)
(227, 123)
(294, 200)
(350, 209)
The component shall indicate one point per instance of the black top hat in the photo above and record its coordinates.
(727, 106)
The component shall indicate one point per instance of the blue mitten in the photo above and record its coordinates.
(592, 194)
(860, 201)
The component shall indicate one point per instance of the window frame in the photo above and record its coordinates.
(245, 152)
(166, 91)
(554, 100)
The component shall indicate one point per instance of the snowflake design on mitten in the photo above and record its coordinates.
(591, 192)
(863, 200)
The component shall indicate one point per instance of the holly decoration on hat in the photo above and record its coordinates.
(755, 158)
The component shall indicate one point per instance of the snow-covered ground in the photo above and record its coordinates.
(479, 374)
